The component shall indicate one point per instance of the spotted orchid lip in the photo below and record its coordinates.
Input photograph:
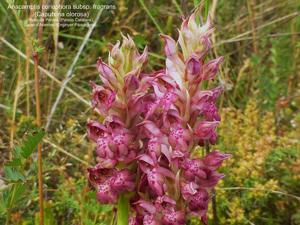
(152, 124)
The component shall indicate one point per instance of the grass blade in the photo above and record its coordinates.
(151, 16)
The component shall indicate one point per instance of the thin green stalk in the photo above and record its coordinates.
(196, 3)
(123, 210)
(177, 7)
(39, 123)
(39, 115)
(250, 5)
(66, 152)
(151, 16)
(199, 7)
(206, 8)
(112, 222)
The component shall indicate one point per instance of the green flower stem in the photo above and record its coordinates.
(123, 210)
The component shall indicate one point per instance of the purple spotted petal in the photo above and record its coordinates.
(210, 112)
(122, 181)
(156, 182)
(103, 98)
(154, 148)
(188, 190)
(150, 220)
(214, 159)
(132, 221)
(103, 150)
(95, 130)
(198, 203)
(179, 137)
(194, 168)
(105, 194)
(173, 217)
(205, 129)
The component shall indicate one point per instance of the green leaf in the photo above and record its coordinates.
(17, 152)
(15, 162)
(3, 202)
(13, 194)
(12, 174)
(31, 143)
(123, 210)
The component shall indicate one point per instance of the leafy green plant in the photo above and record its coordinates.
(18, 172)
(273, 76)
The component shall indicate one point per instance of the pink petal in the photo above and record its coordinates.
(193, 66)
(166, 151)
(214, 159)
(165, 172)
(146, 158)
(211, 68)
(156, 182)
(170, 45)
(95, 130)
(149, 207)
(105, 194)
(205, 129)
(172, 217)
(106, 74)
(143, 58)
(151, 128)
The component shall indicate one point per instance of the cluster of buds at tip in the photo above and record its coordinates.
(153, 123)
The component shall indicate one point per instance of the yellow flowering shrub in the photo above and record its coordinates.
(263, 171)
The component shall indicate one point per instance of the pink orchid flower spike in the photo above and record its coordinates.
(153, 125)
